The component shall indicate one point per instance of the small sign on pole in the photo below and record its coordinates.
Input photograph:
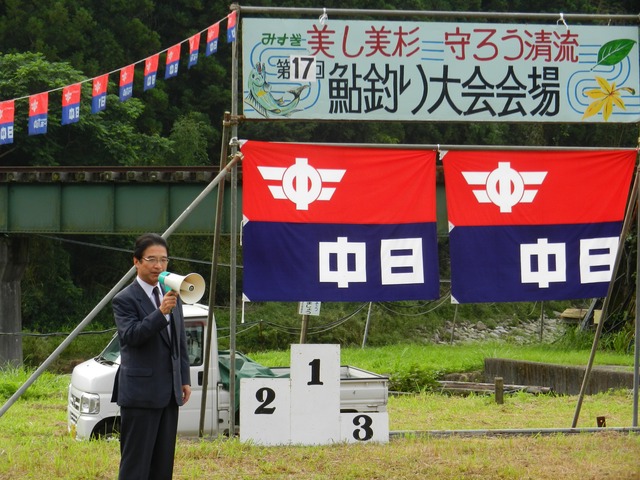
(309, 308)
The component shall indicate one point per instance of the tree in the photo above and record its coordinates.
(107, 138)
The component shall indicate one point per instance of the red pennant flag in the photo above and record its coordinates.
(212, 39)
(231, 26)
(7, 115)
(99, 93)
(173, 61)
(150, 71)
(194, 47)
(126, 82)
(71, 103)
(38, 112)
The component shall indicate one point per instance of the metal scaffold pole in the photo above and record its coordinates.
(234, 238)
(605, 307)
(215, 253)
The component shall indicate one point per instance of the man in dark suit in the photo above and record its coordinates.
(153, 379)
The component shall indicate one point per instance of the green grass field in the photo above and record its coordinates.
(34, 443)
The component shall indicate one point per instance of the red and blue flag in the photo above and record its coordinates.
(71, 104)
(231, 26)
(126, 82)
(99, 93)
(194, 49)
(7, 118)
(38, 113)
(212, 38)
(532, 225)
(150, 71)
(333, 223)
(172, 62)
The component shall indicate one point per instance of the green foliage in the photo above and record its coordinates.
(575, 338)
(38, 348)
(189, 136)
(621, 341)
(415, 378)
(49, 297)
(275, 325)
(46, 386)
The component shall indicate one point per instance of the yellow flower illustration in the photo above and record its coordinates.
(605, 99)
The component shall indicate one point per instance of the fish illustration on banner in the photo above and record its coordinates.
(261, 98)
(532, 225)
(333, 223)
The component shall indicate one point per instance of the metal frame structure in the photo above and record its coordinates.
(351, 12)
(325, 13)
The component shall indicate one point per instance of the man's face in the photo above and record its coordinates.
(150, 269)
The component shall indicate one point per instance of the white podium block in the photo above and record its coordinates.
(364, 427)
(265, 405)
(315, 394)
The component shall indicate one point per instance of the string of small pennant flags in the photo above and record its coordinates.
(39, 102)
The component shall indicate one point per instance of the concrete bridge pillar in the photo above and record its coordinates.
(13, 262)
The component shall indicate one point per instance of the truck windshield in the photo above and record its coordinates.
(111, 353)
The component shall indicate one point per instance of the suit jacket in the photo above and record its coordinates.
(149, 371)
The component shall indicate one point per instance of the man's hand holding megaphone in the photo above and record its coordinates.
(169, 301)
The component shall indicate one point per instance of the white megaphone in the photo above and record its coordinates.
(190, 288)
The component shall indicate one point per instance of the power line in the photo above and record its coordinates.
(126, 250)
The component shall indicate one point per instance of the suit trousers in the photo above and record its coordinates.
(148, 442)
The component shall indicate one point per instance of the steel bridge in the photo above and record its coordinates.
(107, 200)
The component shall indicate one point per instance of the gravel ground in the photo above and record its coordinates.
(522, 333)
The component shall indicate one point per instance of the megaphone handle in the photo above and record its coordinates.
(169, 293)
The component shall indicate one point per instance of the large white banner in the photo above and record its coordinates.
(419, 71)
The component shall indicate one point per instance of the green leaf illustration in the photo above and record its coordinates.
(614, 51)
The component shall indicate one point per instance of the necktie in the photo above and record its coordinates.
(156, 296)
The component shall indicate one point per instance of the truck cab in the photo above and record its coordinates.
(91, 414)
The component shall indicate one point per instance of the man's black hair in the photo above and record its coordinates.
(145, 241)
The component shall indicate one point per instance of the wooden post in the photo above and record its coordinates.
(303, 329)
(499, 389)
(541, 321)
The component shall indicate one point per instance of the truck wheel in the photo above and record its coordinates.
(108, 429)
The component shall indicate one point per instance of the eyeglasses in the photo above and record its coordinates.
(156, 260)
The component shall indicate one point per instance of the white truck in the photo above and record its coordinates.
(91, 414)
